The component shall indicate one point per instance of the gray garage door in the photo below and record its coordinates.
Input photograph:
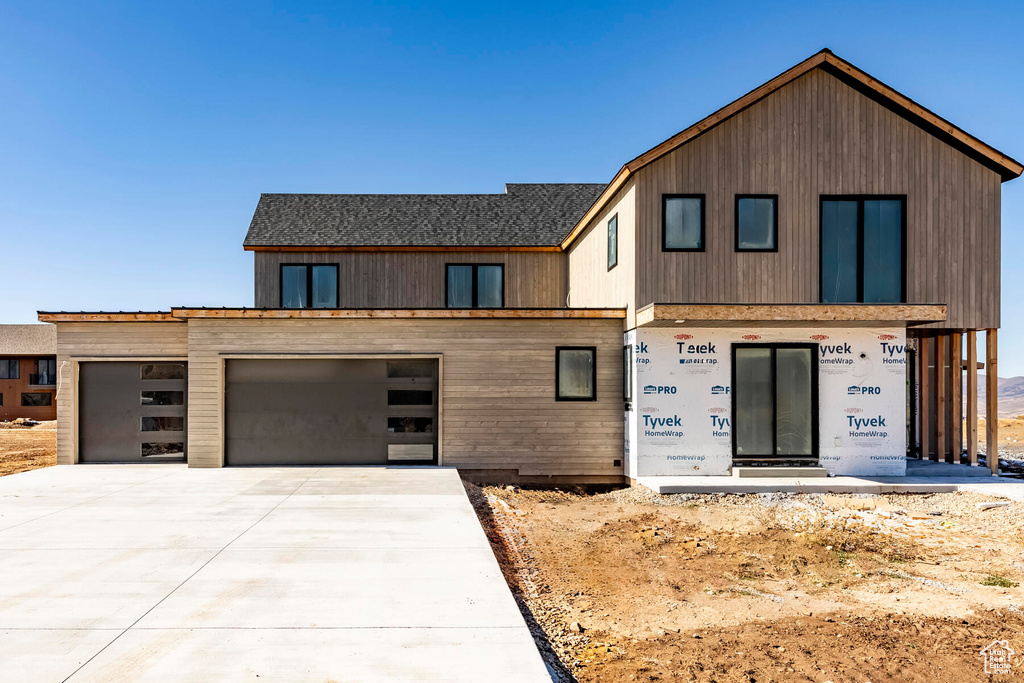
(331, 412)
(131, 412)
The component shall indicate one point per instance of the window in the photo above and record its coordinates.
(475, 286)
(162, 398)
(627, 373)
(613, 241)
(162, 371)
(774, 401)
(46, 372)
(682, 217)
(863, 246)
(1, 399)
(576, 373)
(757, 222)
(36, 399)
(149, 450)
(163, 424)
(411, 424)
(10, 369)
(308, 286)
(410, 397)
(411, 369)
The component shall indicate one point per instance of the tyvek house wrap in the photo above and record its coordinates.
(682, 408)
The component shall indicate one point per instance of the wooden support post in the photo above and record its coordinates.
(991, 402)
(972, 396)
(956, 397)
(940, 398)
(924, 401)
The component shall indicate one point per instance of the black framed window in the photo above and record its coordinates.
(613, 241)
(682, 222)
(10, 368)
(35, 399)
(309, 286)
(775, 401)
(627, 373)
(46, 372)
(757, 222)
(475, 285)
(863, 249)
(576, 373)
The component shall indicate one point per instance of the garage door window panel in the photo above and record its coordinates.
(162, 371)
(163, 423)
(162, 398)
(411, 425)
(410, 397)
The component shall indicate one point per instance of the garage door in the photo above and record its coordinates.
(131, 412)
(331, 412)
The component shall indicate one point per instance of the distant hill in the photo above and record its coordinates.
(1011, 396)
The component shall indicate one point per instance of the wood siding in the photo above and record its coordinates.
(818, 136)
(105, 341)
(498, 408)
(591, 284)
(417, 279)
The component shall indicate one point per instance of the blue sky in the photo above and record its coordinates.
(135, 138)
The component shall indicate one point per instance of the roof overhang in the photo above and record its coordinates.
(180, 315)
(106, 317)
(789, 315)
(397, 313)
(452, 248)
(1007, 167)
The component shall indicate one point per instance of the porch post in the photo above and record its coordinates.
(924, 400)
(972, 396)
(940, 398)
(991, 401)
(956, 397)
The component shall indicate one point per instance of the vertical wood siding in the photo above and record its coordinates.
(113, 341)
(818, 136)
(417, 279)
(591, 284)
(498, 385)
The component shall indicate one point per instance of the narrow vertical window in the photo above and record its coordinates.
(475, 285)
(682, 222)
(576, 373)
(757, 222)
(613, 241)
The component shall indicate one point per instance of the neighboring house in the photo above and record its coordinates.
(28, 372)
(761, 288)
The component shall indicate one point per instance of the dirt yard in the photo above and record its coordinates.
(634, 586)
(27, 448)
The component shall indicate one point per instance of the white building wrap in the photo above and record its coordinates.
(683, 399)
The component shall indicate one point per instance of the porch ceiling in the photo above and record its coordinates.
(789, 315)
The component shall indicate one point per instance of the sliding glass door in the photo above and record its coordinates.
(775, 398)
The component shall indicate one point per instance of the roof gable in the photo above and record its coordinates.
(1005, 166)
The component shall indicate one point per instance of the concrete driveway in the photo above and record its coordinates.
(162, 573)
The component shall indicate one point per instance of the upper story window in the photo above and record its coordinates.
(309, 286)
(46, 372)
(863, 249)
(10, 368)
(757, 222)
(682, 222)
(475, 285)
(613, 241)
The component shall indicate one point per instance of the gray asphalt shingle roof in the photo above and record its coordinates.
(526, 215)
(28, 340)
